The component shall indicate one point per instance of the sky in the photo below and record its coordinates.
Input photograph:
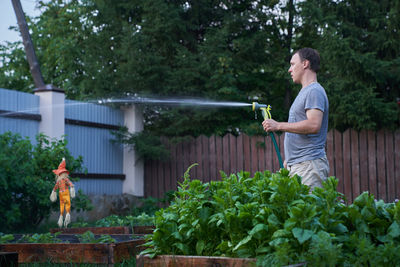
(8, 18)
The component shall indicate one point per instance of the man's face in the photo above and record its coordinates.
(63, 175)
(296, 69)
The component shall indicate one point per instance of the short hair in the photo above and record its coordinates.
(311, 55)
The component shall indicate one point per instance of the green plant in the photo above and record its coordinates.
(89, 237)
(146, 145)
(115, 220)
(27, 180)
(40, 238)
(6, 238)
(274, 218)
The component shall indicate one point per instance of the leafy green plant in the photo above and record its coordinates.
(89, 237)
(146, 145)
(274, 218)
(6, 238)
(40, 238)
(26, 180)
(115, 220)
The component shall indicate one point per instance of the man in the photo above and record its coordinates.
(306, 129)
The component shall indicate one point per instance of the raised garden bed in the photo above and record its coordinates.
(197, 261)
(74, 252)
(192, 261)
(106, 230)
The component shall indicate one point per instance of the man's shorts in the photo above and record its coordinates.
(313, 172)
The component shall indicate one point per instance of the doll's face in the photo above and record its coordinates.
(63, 175)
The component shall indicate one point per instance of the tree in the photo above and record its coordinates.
(218, 50)
(359, 43)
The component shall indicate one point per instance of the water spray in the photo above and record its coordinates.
(265, 111)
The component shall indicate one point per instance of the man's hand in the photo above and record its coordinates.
(270, 125)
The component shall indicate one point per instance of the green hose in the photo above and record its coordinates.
(265, 114)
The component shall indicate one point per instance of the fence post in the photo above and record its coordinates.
(52, 110)
(133, 167)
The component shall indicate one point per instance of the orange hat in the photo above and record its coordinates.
(61, 168)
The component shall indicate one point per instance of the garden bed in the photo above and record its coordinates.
(106, 230)
(192, 261)
(197, 261)
(71, 251)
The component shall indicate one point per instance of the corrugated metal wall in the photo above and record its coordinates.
(13, 103)
(87, 130)
(93, 143)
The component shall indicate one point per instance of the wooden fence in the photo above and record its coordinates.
(362, 161)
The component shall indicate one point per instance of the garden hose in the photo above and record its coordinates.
(265, 111)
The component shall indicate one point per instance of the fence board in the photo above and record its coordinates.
(147, 177)
(174, 173)
(192, 158)
(154, 191)
(199, 157)
(240, 158)
(233, 154)
(225, 158)
(389, 156)
(275, 161)
(355, 163)
(339, 160)
(268, 153)
(161, 179)
(347, 165)
(205, 159)
(212, 159)
(330, 153)
(253, 155)
(218, 142)
(261, 153)
(373, 189)
(186, 160)
(363, 160)
(166, 167)
(179, 162)
(380, 148)
(282, 146)
(397, 162)
(246, 150)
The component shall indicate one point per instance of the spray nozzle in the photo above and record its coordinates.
(257, 106)
(265, 109)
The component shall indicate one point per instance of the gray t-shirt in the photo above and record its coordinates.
(302, 147)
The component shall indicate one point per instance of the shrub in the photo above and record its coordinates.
(26, 180)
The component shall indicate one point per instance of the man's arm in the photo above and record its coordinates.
(311, 125)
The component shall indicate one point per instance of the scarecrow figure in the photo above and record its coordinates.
(65, 187)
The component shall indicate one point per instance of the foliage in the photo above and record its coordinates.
(146, 145)
(274, 218)
(89, 237)
(219, 50)
(359, 44)
(5, 238)
(114, 220)
(26, 180)
(40, 238)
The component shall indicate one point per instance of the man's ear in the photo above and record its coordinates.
(306, 64)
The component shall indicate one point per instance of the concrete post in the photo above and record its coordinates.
(133, 167)
(52, 110)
